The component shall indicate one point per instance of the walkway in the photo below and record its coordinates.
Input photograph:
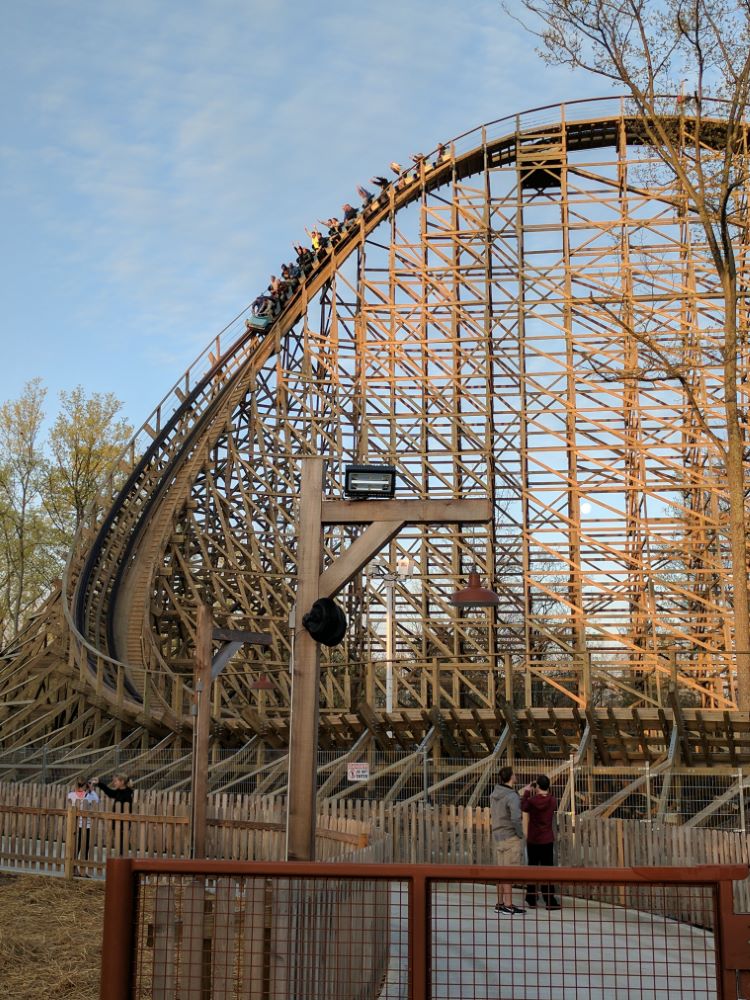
(586, 950)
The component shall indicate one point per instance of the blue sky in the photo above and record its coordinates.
(158, 160)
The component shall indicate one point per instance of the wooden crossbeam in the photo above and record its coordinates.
(644, 744)
(371, 721)
(601, 743)
(538, 734)
(729, 732)
(518, 736)
(605, 809)
(446, 736)
(339, 768)
(559, 733)
(499, 749)
(665, 727)
(394, 727)
(460, 728)
(679, 722)
(619, 738)
(672, 755)
(482, 730)
(703, 738)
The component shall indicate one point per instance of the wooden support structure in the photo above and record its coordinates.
(464, 332)
(383, 520)
(679, 723)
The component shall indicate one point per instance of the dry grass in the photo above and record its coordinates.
(50, 938)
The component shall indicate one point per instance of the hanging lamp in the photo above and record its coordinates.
(475, 595)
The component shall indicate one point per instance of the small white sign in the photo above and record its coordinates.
(357, 772)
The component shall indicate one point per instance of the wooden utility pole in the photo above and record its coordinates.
(201, 711)
(384, 519)
(205, 672)
(303, 726)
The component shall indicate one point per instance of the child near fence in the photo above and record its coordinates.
(83, 798)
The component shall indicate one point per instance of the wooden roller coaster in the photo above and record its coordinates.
(473, 328)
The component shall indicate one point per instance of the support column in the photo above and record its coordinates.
(303, 740)
(201, 725)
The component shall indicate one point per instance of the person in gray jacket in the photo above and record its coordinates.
(507, 834)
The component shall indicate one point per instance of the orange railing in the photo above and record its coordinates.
(317, 931)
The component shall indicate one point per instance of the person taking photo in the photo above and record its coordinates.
(540, 805)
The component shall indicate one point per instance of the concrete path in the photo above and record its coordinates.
(586, 950)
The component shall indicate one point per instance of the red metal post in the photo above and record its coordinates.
(419, 940)
(732, 937)
(119, 931)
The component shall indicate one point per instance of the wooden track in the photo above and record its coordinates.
(462, 330)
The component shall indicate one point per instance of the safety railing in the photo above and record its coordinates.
(315, 931)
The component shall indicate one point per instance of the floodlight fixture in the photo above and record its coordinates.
(370, 482)
(475, 595)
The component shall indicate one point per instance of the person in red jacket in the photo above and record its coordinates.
(539, 803)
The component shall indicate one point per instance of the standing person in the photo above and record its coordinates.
(84, 798)
(121, 791)
(540, 804)
(507, 833)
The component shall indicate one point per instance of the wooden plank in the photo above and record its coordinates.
(703, 736)
(618, 737)
(257, 902)
(644, 743)
(679, 722)
(601, 743)
(192, 955)
(303, 745)
(406, 511)
(558, 730)
(371, 721)
(520, 742)
(729, 732)
(163, 982)
(224, 941)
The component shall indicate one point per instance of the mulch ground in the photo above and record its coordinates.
(50, 938)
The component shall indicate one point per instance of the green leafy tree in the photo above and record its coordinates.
(697, 49)
(84, 443)
(46, 491)
(23, 528)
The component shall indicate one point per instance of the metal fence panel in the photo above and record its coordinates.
(358, 932)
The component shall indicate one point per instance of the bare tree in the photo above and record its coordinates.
(698, 50)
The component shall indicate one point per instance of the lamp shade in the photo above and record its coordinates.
(475, 595)
(262, 683)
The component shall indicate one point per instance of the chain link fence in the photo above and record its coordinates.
(711, 798)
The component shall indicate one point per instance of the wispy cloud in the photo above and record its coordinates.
(161, 159)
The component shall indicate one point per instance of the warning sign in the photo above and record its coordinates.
(358, 772)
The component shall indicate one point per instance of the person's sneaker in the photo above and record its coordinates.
(506, 911)
(517, 909)
(531, 901)
(552, 904)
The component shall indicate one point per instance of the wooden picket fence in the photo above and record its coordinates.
(463, 835)
(40, 832)
(629, 843)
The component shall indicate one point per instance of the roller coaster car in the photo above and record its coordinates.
(257, 322)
